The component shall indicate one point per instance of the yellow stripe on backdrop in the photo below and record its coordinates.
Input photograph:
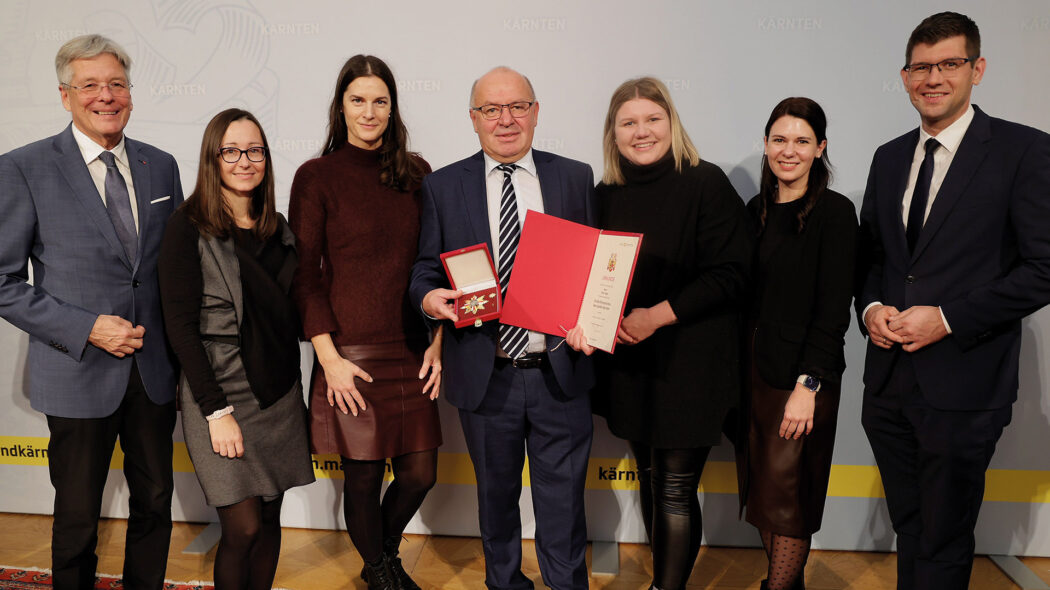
(847, 481)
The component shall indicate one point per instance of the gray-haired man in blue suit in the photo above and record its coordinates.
(88, 207)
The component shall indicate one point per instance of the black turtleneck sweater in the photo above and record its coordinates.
(673, 389)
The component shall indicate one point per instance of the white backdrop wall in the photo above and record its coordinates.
(726, 64)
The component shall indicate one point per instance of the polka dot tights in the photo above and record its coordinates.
(787, 560)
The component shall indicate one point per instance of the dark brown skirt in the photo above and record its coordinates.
(787, 479)
(399, 420)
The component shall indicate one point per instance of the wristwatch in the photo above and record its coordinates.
(809, 382)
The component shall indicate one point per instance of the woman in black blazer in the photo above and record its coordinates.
(799, 314)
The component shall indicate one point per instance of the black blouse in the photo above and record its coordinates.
(804, 286)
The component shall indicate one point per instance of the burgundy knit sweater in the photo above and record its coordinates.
(357, 240)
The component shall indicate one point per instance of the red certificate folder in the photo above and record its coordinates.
(565, 274)
(471, 271)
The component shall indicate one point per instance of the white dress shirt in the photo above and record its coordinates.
(949, 141)
(97, 168)
(527, 192)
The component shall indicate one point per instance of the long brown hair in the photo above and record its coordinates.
(682, 148)
(206, 206)
(809, 111)
(398, 169)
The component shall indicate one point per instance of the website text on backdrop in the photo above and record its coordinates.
(953, 254)
(675, 375)
(87, 208)
(515, 389)
(225, 271)
(355, 211)
(798, 317)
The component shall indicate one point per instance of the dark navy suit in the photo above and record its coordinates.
(933, 416)
(503, 409)
(51, 214)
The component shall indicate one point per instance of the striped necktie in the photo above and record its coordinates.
(512, 339)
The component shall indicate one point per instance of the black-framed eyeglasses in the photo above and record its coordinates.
(232, 155)
(494, 111)
(92, 89)
(948, 67)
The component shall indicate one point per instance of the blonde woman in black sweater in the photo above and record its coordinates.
(676, 372)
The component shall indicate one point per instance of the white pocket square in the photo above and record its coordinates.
(155, 201)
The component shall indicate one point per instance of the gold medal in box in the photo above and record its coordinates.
(471, 270)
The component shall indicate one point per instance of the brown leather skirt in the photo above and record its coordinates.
(787, 479)
(399, 420)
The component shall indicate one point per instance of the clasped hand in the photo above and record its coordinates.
(913, 328)
(116, 335)
(642, 322)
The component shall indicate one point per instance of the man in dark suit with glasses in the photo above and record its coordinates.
(954, 254)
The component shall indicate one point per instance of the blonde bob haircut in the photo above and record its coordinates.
(682, 147)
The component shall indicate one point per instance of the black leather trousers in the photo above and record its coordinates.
(671, 510)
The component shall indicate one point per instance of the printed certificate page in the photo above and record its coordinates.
(567, 273)
(607, 286)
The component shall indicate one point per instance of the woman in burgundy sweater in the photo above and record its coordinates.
(355, 212)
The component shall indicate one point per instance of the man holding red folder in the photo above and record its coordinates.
(516, 390)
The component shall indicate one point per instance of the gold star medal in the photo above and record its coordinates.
(473, 305)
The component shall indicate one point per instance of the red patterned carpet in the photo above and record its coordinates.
(12, 578)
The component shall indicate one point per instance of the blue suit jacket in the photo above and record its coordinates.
(983, 256)
(51, 214)
(455, 215)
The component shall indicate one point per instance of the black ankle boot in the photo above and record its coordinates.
(391, 546)
(379, 576)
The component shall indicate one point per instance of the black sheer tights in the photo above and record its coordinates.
(787, 560)
(671, 510)
(246, 558)
(367, 520)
